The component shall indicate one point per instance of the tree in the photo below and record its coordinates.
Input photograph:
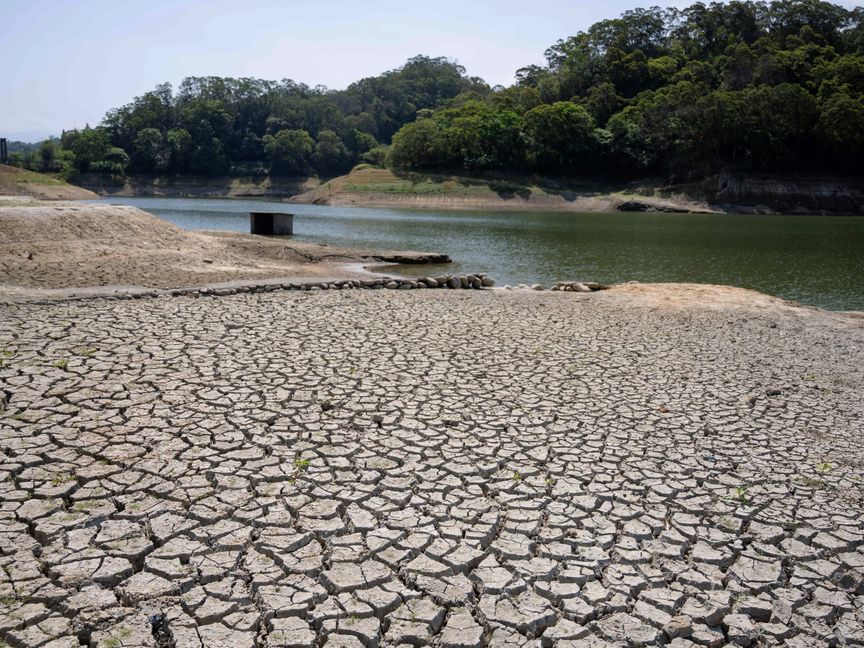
(48, 155)
(180, 149)
(289, 151)
(331, 157)
(420, 145)
(481, 137)
(560, 136)
(148, 150)
(761, 84)
(841, 123)
(90, 146)
(115, 162)
(602, 102)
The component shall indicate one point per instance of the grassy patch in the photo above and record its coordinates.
(14, 176)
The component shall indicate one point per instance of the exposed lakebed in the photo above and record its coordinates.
(815, 260)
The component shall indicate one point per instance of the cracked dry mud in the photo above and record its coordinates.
(361, 468)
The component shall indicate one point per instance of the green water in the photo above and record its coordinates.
(815, 260)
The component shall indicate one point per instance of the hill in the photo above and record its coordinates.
(19, 182)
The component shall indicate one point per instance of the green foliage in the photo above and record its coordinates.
(113, 163)
(774, 86)
(331, 157)
(376, 156)
(421, 144)
(90, 146)
(559, 135)
(289, 151)
(148, 150)
(214, 125)
(48, 153)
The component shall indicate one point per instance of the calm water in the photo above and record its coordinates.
(814, 260)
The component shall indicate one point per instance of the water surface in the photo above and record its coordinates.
(816, 260)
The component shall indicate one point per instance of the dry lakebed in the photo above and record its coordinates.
(650, 465)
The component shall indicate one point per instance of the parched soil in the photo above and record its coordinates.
(69, 245)
(432, 467)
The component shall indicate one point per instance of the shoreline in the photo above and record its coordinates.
(375, 187)
(594, 204)
(57, 251)
(723, 193)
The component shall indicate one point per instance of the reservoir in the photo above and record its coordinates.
(816, 260)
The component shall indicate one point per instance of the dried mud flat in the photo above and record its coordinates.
(389, 468)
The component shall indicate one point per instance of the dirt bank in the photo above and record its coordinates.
(66, 245)
(200, 186)
(369, 187)
(28, 184)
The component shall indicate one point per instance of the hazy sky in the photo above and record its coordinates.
(65, 62)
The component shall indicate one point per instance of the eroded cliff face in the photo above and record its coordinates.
(795, 195)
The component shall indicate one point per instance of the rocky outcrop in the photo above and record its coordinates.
(792, 195)
(409, 258)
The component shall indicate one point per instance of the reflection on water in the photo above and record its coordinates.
(816, 260)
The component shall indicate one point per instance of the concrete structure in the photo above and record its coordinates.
(271, 224)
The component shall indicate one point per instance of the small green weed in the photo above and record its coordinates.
(517, 476)
(6, 356)
(62, 364)
(301, 465)
(85, 351)
(810, 482)
(60, 478)
(742, 495)
(824, 468)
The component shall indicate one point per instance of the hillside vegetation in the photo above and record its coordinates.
(20, 182)
(773, 87)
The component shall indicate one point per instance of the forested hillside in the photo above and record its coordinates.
(770, 87)
(758, 86)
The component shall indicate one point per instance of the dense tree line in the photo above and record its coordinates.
(216, 126)
(773, 86)
(751, 85)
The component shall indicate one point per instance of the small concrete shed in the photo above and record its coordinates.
(271, 223)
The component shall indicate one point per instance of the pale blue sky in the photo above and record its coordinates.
(65, 62)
